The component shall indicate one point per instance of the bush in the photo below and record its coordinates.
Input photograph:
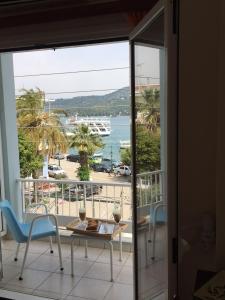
(84, 173)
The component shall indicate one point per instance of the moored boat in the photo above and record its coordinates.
(97, 125)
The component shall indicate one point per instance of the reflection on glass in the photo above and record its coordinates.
(117, 214)
(151, 212)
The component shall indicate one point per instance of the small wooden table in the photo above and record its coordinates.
(95, 235)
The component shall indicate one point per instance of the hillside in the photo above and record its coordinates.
(114, 103)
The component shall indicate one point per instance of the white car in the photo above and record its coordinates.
(122, 170)
(54, 170)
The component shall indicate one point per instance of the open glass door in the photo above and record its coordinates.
(149, 120)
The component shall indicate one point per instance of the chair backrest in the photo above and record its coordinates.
(11, 220)
(161, 214)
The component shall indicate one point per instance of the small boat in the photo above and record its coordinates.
(125, 144)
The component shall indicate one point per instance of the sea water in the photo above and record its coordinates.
(120, 131)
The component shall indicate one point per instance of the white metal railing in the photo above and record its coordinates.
(65, 197)
(149, 188)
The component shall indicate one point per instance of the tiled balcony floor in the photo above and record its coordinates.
(43, 278)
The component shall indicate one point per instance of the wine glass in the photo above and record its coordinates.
(82, 214)
(117, 215)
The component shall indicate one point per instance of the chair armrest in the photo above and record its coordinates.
(36, 205)
(41, 217)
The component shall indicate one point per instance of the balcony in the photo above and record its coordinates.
(42, 276)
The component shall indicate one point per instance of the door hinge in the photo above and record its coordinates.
(174, 251)
(175, 16)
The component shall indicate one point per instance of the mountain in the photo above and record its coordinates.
(115, 103)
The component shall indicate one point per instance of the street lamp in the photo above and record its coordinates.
(49, 104)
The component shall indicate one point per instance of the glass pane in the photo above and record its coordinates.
(150, 197)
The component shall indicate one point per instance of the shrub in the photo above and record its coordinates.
(84, 173)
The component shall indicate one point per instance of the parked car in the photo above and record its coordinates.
(96, 158)
(73, 157)
(108, 162)
(122, 170)
(77, 192)
(58, 156)
(101, 168)
(54, 171)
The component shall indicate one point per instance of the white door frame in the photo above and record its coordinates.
(170, 78)
(3, 227)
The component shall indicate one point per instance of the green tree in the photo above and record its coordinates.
(126, 156)
(30, 162)
(86, 144)
(44, 129)
(147, 150)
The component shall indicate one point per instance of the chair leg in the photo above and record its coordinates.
(24, 259)
(153, 241)
(17, 252)
(50, 240)
(59, 249)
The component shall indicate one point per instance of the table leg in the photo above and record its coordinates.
(72, 271)
(86, 249)
(111, 259)
(121, 246)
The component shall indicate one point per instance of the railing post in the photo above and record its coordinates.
(161, 185)
(121, 202)
(93, 203)
(84, 185)
(21, 188)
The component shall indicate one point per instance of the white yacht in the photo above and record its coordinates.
(97, 125)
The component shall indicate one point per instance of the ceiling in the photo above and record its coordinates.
(35, 23)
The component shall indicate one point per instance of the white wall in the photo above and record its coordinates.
(10, 155)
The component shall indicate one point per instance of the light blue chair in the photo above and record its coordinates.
(39, 227)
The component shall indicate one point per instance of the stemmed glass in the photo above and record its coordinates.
(117, 215)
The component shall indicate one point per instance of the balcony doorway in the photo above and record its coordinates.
(64, 89)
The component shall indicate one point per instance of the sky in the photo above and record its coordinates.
(110, 55)
(73, 59)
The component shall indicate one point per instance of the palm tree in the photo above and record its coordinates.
(86, 143)
(149, 107)
(42, 128)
